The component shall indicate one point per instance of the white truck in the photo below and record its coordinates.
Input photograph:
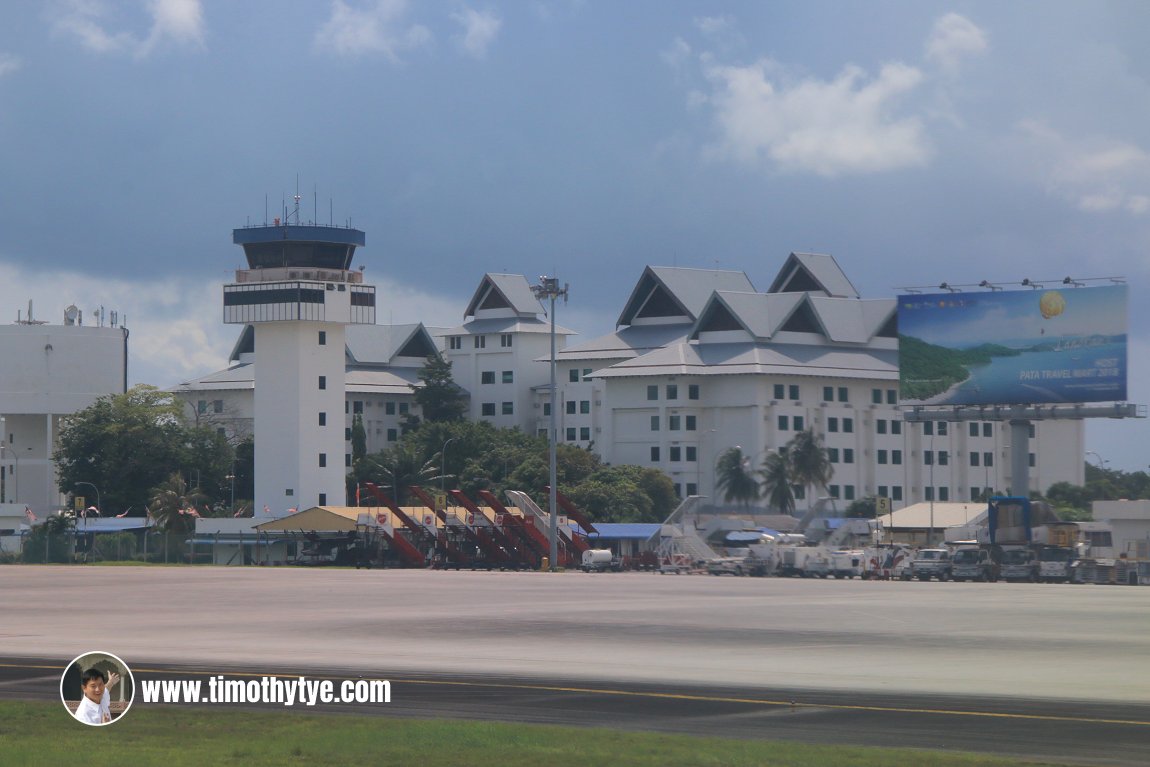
(600, 561)
(973, 563)
(930, 563)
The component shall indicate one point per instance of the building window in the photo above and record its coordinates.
(880, 426)
(570, 433)
(832, 424)
(570, 405)
(487, 377)
(833, 454)
(692, 453)
(848, 492)
(546, 408)
(654, 423)
(944, 494)
(882, 489)
(573, 375)
(455, 342)
(392, 435)
(346, 407)
(585, 406)
(508, 408)
(1030, 458)
(480, 342)
(784, 423)
(674, 422)
(347, 459)
(928, 493)
(655, 454)
(487, 408)
(323, 338)
(942, 428)
(876, 396)
(943, 457)
(988, 459)
(676, 453)
(798, 422)
(844, 394)
(880, 457)
(692, 488)
(403, 408)
(973, 458)
(323, 382)
(389, 408)
(988, 429)
(691, 423)
(672, 391)
(794, 391)
(202, 407)
(973, 430)
(217, 406)
(505, 340)
(828, 394)
(692, 391)
(892, 396)
(357, 407)
(896, 493)
(652, 393)
(896, 427)
(780, 391)
(508, 376)
(848, 455)
(834, 490)
(585, 433)
(927, 457)
(322, 460)
(928, 428)
(896, 457)
(347, 434)
(1031, 432)
(323, 499)
(586, 374)
(849, 425)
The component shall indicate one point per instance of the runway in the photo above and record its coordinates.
(1042, 671)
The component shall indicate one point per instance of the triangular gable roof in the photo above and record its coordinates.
(504, 291)
(760, 314)
(813, 273)
(245, 344)
(319, 519)
(381, 344)
(666, 291)
(851, 321)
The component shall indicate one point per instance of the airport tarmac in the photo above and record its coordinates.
(1040, 641)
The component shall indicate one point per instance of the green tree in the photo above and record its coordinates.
(863, 508)
(777, 485)
(50, 541)
(398, 468)
(808, 461)
(170, 503)
(358, 440)
(439, 397)
(125, 444)
(735, 478)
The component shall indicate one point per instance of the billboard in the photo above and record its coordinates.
(1017, 347)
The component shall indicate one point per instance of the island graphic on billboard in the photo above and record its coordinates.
(1017, 347)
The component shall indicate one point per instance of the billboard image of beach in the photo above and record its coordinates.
(1018, 347)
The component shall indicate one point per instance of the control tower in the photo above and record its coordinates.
(299, 293)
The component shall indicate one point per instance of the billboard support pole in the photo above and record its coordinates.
(1020, 457)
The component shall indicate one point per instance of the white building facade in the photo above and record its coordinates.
(50, 372)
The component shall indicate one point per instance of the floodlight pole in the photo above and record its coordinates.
(548, 287)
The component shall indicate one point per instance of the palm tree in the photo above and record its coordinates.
(808, 461)
(776, 474)
(735, 478)
(400, 467)
(170, 504)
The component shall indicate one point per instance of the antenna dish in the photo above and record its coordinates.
(70, 314)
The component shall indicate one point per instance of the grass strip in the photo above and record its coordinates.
(40, 733)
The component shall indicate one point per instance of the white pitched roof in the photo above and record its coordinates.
(626, 342)
(760, 314)
(751, 358)
(920, 516)
(853, 321)
(667, 291)
(813, 272)
(504, 291)
(381, 344)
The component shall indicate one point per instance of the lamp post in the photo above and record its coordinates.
(99, 508)
(1101, 461)
(548, 287)
(232, 478)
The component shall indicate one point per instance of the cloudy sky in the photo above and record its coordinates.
(917, 142)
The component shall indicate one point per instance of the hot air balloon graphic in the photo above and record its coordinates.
(1051, 304)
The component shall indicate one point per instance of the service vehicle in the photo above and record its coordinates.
(930, 563)
(1018, 564)
(973, 563)
(600, 561)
